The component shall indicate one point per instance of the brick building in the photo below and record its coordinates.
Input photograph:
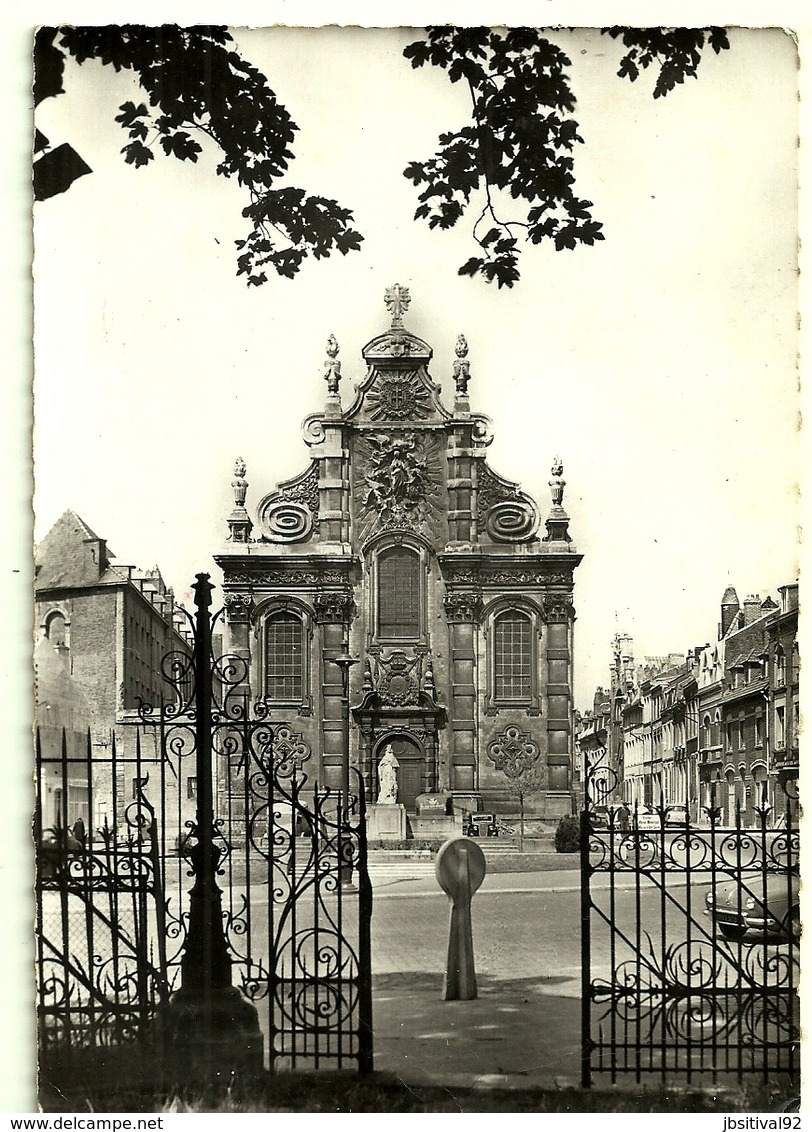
(101, 632)
(399, 542)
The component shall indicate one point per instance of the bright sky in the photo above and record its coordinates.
(660, 364)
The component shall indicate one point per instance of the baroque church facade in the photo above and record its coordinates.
(400, 545)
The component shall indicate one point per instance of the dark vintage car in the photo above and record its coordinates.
(481, 825)
(749, 906)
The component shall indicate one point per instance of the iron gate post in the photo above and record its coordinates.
(586, 941)
(214, 1031)
(344, 664)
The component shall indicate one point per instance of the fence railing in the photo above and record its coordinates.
(690, 939)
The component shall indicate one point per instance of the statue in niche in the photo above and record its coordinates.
(388, 778)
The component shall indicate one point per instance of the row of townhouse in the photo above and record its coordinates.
(718, 726)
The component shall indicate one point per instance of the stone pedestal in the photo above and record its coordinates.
(213, 1038)
(386, 822)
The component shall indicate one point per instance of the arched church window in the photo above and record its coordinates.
(512, 658)
(284, 668)
(398, 593)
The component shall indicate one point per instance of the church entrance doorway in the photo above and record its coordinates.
(410, 770)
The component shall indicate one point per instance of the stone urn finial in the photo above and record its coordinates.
(462, 369)
(558, 521)
(557, 483)
(239, 483)
(332, 367)
(239, 523)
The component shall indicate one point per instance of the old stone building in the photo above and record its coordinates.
(102, 631)
(400, 544)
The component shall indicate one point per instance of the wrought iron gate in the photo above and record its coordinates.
(209, 788)
(107, 934)
(690, 941)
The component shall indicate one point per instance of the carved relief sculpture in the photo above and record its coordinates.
(290, 513)
(513, 751)
(239, 607)
(333, 607)
(397, 483)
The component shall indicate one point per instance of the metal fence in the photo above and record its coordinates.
(690, 941)
(198, 792)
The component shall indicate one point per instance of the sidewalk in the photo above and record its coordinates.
(516, 1034)
(523, 1029)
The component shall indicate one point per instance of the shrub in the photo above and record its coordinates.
(568, 836)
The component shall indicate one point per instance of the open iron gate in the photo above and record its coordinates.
(690, 942)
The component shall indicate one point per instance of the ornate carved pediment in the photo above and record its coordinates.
(290, 513)
(398, 680)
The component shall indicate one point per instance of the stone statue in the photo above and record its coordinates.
(388, 778)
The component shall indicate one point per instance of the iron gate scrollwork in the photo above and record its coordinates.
(690, 938)
(108, 936)
(205, 786)
(297, 933)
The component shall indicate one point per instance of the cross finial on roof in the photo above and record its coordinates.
(397, 301)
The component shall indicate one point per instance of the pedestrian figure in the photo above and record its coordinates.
(623, 817)
(79, 831)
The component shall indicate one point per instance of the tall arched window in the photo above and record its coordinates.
(512, 658)
(398, 594)
(284, 658)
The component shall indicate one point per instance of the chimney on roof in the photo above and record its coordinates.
(751, 609)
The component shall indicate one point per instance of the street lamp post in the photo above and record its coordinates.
(213, 1031)
(345, 663)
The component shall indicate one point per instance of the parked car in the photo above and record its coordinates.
(481, 825)
(738, 908)
(677, 816)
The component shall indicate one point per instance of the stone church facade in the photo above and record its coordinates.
(399, 544)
